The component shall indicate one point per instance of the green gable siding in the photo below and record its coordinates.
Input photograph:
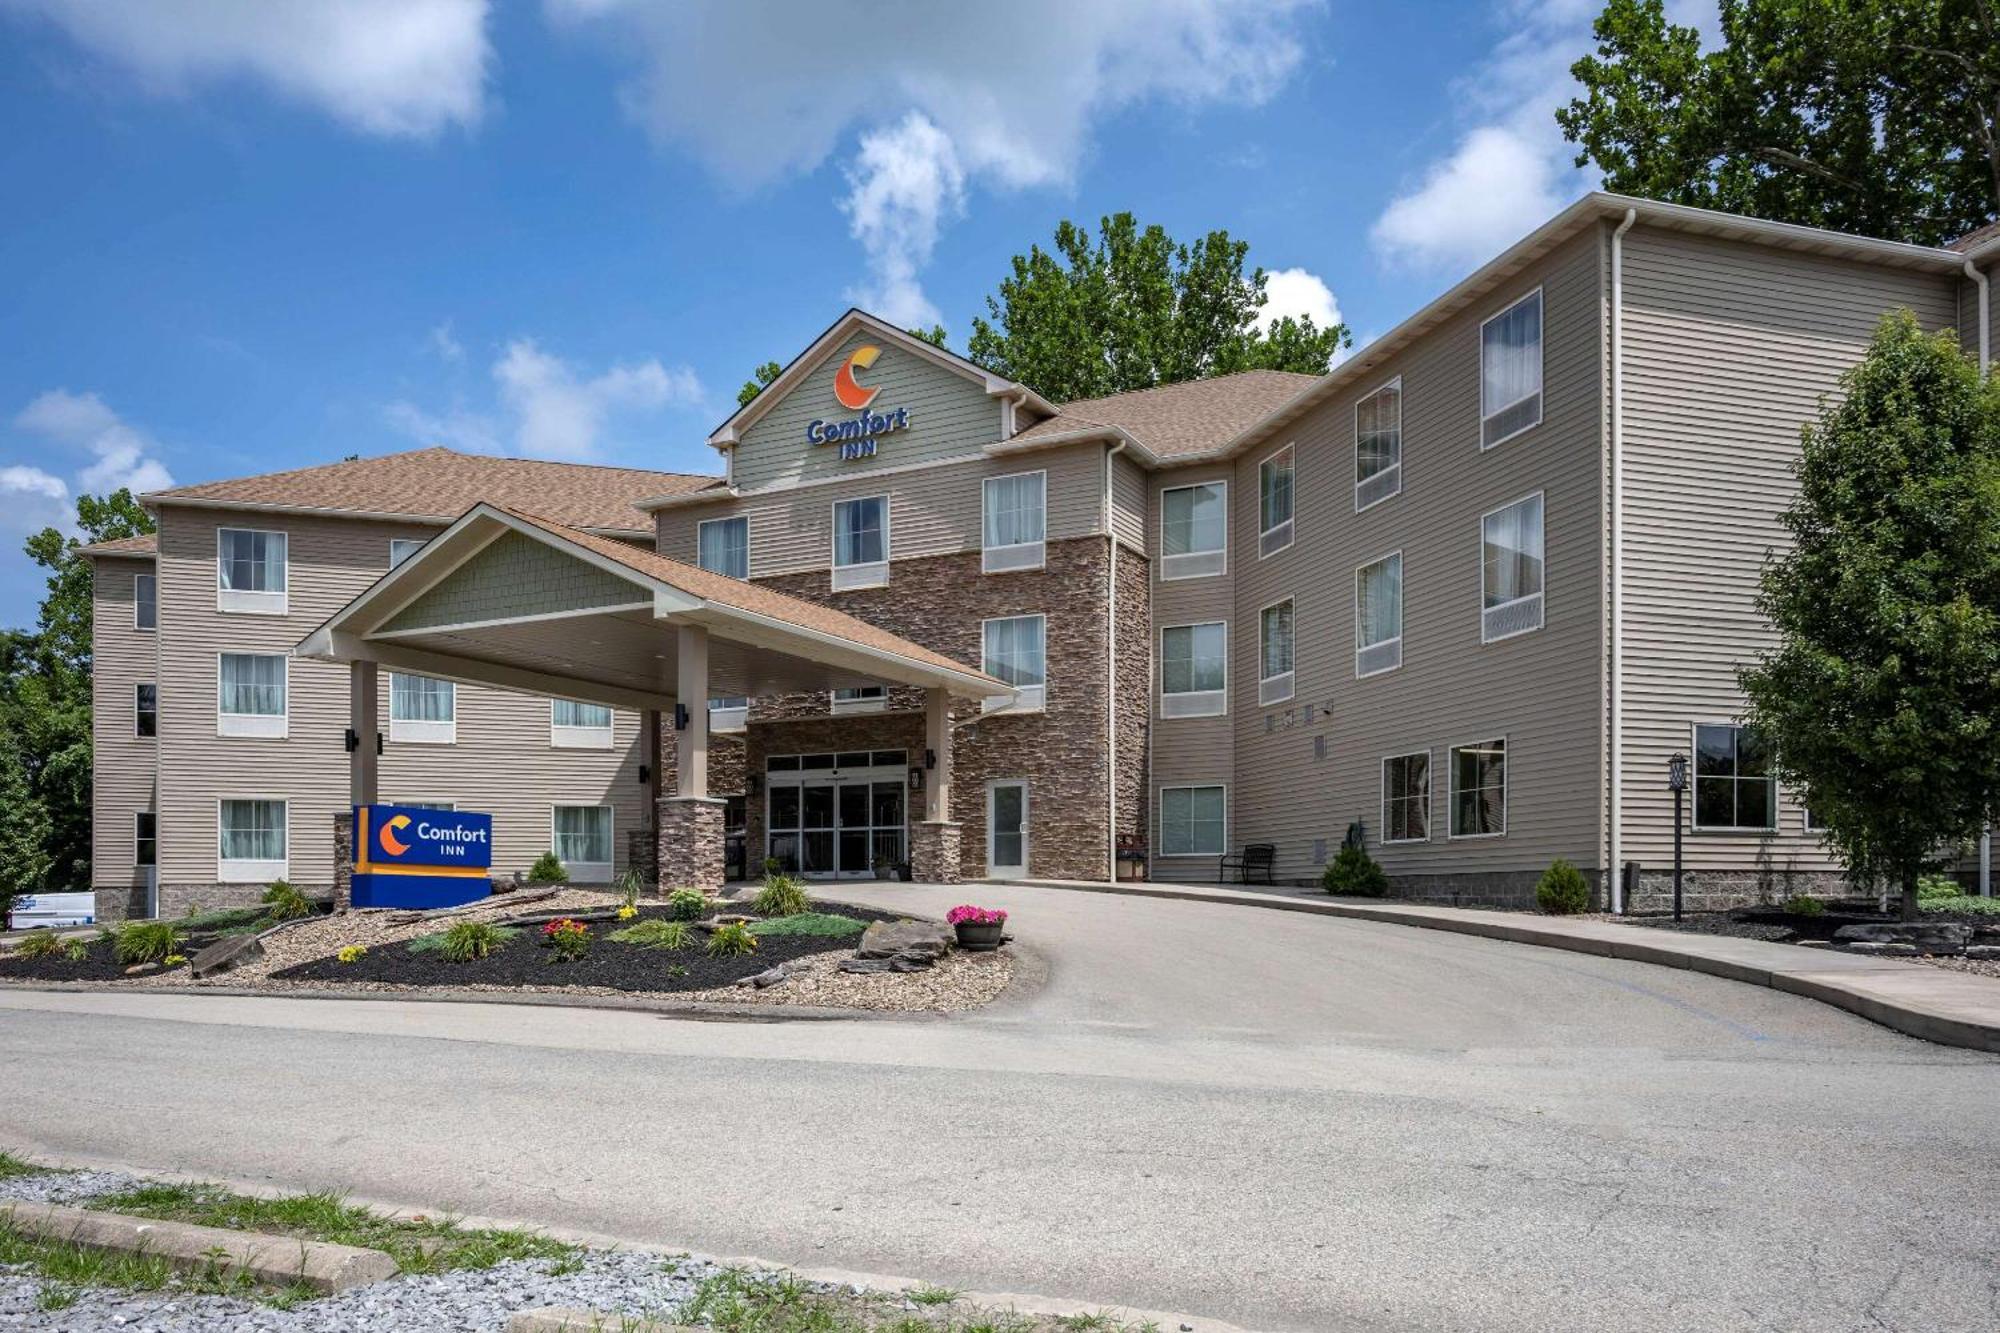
(516, 576)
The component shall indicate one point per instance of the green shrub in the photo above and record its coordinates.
(1562, 890)
(1963, 905)
(826, 924)
(629, 885)
(547, 870)
(687, 904)
(44, 943)
(1355, 871)
(781, 896)
(653, 935)
(731, 941)
(1804, 904)
(1938, 886)
(772, 866)
(286, 903)
(147, 941)
(466, 942)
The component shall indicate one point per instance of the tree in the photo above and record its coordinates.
(1882, 696)
(1132, 308)
(1879, 117)
(24, 827)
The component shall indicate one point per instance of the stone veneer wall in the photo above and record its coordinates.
(1134, 608)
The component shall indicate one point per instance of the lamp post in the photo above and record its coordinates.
(1677, 782)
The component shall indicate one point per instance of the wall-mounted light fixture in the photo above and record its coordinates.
(645, 774)
(930, 758)
(680, 717)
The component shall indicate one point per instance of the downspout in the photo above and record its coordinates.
(1111, 671)
(1979, 280)
(1616, 766)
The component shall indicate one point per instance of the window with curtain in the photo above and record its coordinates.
(724, 546)
(1015, 521)
(1510, 370)
(583, 835)
(145, 601)
(575, 713)
(1194, 529)
(728, 712)
(1378, 446)
(402, 548)
(1511, 569)
(253, 684)
(251, 561)
(1194, 669)
(1274, 653)
(1479, 789)
(1733, 784)
(1378, 616)
(1191, 821)
(1274, 502)
(861, 543)
(421, 699)
(1015, 650)
(1406, 797)
(253, 830)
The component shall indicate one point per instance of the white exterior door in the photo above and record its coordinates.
(1006, 830)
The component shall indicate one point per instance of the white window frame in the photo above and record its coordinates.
(744, 519)
(867, 703)
(1451, 787)
(587, 872)
(1027, 809)
(411, 731)
(1278, 688)
(240, 601)
(414, 543)
(730, 718)
(424, 803)
(873, 574)
(1018, 555)
(1694, 780)
(137, 601)
(1541, 599)
(1268, 543)
(1541, 372)
(268, 726)
(138, 712)
(1026, 698)
(1198, 703)
(1362, 650)
(563, 737)
(248, 871)
(1430, 799)
(1161, 815)
(1395, 470)
(1196, 563)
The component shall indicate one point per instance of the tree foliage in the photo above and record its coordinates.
(1879, 117)
(1131, 308)
(1883, 693)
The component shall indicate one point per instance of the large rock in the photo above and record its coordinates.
(1932, 937)
(233, 951)
(905, 939)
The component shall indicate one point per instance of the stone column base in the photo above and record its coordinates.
(934, 852)
(343, 861)
(691, 843)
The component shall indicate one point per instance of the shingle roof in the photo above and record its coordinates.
(1975, 238)
(440, 484)
(146, 544)
(744, 596)
(1177, 419)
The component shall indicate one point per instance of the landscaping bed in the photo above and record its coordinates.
(150, 948)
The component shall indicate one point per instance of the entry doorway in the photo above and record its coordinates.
(1006, 829)
(837, 816)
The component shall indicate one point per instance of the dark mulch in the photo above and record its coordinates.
(101, 965)
(1712, 923)
(525, 961)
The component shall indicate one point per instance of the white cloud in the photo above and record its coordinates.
(1295, 292)
(467, 432)
(122, 455)
(18, 480)
(388, 67)
(445, 343)
(905, 184)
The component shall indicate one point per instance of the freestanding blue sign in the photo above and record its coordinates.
(410, 856)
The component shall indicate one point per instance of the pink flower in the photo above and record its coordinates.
(966, 914)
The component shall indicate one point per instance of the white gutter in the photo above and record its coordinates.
(1111, 671)
(1979, 280)
(1616, 821)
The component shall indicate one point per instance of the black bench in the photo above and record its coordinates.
(1258, 858)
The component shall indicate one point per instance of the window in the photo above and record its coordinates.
(1015, 523)
(250, 695)
(1510, 371)
(1378, 446)
(1191, 821)
(1194, 530)
(1733, 784)
(1274, 503)
(145, 839)
(1194, 670)
(861, 699)
(1378, 616)
(422, 710)
(402, 548)
(861, 543)
(1511, 570)
(723, 546)
(145, 601)
(425, 805)
(581, 840)
(252, 848)
(1015, 650)
(728, 713)
(1479, 789)
(1274, 653)
(574, 725)
(250, 571)
(1406, 797)
(146, 710)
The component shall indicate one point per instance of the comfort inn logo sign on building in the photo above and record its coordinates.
(856, 435)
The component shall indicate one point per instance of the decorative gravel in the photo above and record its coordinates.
(64, 1187)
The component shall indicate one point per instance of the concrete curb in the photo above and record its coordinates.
(1950, 1008)
(275, 1261)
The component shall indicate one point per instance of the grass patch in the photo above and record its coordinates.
(434, 1245)
(739, 1302)
(12, 1167)
(1963, 904)
(731, 941)
(781, 896)
(830, 924)
(66, 1269)
(147, 941)
(653, 935)
(466, 941)
(932, 1295)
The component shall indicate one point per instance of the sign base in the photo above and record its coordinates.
(376, 888)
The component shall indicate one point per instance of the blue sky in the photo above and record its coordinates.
(247, 237)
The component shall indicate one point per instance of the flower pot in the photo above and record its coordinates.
(976, 938)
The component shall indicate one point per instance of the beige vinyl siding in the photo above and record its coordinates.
(517, 576)
(951, 415)
(932, 511)
(1192, 751)
(1541, 690)
(1729, 349)
(122, 657)
(502, 762)
(1129, 510)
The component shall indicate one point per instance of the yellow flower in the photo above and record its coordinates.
(175, 959)
(353, 953)
(627, 912)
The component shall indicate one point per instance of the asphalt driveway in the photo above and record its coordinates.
(1287, 1121)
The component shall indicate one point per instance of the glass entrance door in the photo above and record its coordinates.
(837, 816)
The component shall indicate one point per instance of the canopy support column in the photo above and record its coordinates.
(363, 765)
(690, 823)
(934, 843)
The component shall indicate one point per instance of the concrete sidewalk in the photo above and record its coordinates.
(1951, 1008)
